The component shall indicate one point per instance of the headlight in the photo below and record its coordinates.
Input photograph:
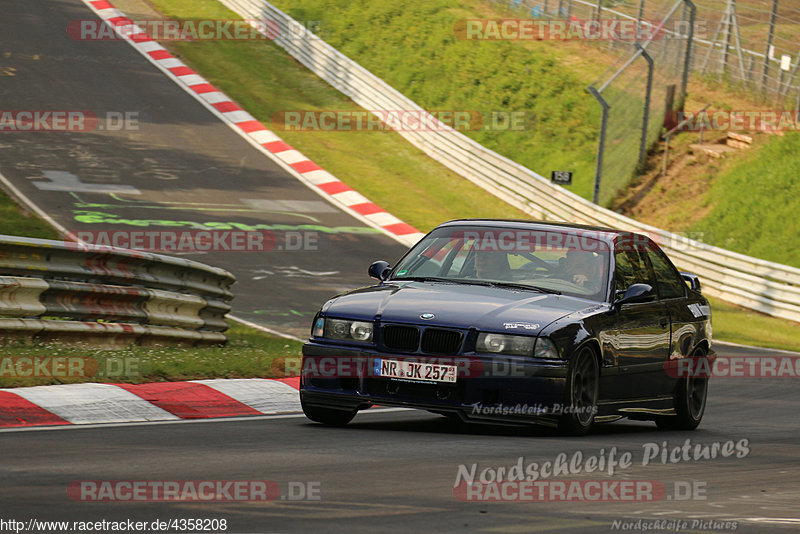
(545, 349)
(343, 329)
(505, 344)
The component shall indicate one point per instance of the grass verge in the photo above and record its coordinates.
(752, 205)
(738, 325)
(249, 354)
(14, 220)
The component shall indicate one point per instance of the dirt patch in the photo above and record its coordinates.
(678, 199)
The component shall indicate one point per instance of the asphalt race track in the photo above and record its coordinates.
(394, 471)
(180, 164)
(390, 470)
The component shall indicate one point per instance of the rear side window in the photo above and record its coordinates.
(670, 283)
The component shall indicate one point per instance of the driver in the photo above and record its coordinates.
(492, 265)
(580, 268)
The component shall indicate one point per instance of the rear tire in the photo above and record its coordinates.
(690, 400)
(582, 388)
(328, 416)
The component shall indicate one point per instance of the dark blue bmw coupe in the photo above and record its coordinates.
(516, 322)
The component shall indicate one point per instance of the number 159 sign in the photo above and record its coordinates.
(561, 177)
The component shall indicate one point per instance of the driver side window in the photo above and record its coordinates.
(631, 268)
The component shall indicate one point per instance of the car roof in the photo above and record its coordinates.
(600, 232)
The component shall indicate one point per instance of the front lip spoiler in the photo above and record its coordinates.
(465, 413)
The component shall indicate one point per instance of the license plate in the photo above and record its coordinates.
(428, 372)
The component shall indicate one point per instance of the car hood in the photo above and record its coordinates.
(456, 305)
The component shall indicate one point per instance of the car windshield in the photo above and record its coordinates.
(568, 261)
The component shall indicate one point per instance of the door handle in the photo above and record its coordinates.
(663, 322)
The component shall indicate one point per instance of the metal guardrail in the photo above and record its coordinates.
(757, 284)
(54, 289)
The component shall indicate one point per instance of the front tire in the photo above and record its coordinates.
(328, 416)
(690, 400)
(582, 388)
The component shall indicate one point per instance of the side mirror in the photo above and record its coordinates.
(692, 279)
(379, 270)
(636, 293)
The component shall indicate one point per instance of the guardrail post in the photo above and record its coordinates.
(770, 35)
(726, 39)
(687, 61)
(639, 21)
(602, 145)
(649, 90)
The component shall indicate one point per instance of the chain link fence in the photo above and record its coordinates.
(751, 45)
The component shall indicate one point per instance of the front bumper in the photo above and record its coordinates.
(503, 389)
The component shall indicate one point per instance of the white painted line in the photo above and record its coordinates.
(415, 237)
(351, 198)
(111, 13)
(265, 329)
(82, 404)
(265, 136)
(266, 396)
(192, 79)
(149, 46)
(214, 97)
(129, 29)
(320, 177)
(170, 62)
(383, 218)
(377, 411)
(31, 206)
(771, 520)
(238, 116)
(752, 347)
(291, 156)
